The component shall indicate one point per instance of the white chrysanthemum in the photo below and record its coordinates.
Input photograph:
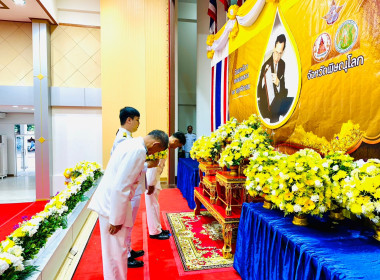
(349, 194)
(335, 168)
(315, 168)
(359, 163)
(273, 192)
(16, 250)
(375, 220)
(314, 198)
(257, 179)
(258, 188)
(294, 188)
(371, 169)
(325, 164)
(377, 206)
(281, 206)
(318, 183)
(3, 266)
(364, 209)
(260, 168)
(281, 186)
(281, 175)
(322, 209)
(265, 154)
(297, 208)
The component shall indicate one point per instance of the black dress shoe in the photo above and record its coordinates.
(132, 263)
(166, 231)
(161, 236)
(137, 254)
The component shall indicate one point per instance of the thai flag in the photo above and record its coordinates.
(226, 4)
(212, 13)
(219, 93)
(240, 2)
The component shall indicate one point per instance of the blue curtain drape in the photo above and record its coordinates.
(270, 247)
(187, 179)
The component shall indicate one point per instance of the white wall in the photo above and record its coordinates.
(7, 127)
(77, 136)
(204, 66)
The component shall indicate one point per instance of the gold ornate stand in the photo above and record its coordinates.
(209, 188)
(231, 191)
(208, 170)
(228, 223)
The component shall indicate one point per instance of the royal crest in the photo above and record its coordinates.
(333, 14)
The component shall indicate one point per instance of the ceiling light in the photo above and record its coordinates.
(20, 2)
(15, 106)
(33, 109)
(25, 108)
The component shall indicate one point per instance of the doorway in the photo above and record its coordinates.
(25, 150)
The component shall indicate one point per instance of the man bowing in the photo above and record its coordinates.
(112, 199)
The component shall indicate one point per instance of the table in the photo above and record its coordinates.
(269, 246)
(230, 190)
(228, 223)
(187, 179)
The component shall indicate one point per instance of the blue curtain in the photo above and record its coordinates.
(187, 179)
(269, 247)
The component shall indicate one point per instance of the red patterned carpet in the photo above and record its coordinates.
(11, 215)
(160, 261)
(199, 241)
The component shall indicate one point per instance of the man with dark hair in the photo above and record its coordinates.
(272, 109)
(190, 139)
(112, 199)
(129, 121)
(177, 140)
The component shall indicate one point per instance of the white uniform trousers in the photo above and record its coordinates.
(114, 251)
(135, 202)
(153, 212)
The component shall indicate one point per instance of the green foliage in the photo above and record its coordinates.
(11, 274)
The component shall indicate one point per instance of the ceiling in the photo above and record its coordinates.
(9, 11)
(19, 109)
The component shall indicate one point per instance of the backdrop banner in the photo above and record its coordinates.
(314, 64)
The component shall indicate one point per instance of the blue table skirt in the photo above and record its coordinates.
(187, 179)
(269, 246)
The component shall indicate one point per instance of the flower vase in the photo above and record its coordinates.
(234, 170)
(267, 204)
(300, 220)
(377, 232)
(337, 214)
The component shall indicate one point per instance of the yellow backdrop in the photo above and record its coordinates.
(326, 101)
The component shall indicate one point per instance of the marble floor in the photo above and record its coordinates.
(17, 189)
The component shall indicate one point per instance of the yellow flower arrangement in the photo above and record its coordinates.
(231, 155)
(302, 182)
(339, 165)
(261, 171)
(159, 155)
(349, 135)
(206, 147)
(227, 130)
(361, 191)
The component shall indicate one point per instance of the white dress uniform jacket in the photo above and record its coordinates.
(112, 198)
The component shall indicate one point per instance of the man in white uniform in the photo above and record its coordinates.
(112, 199)
(129, 123)
(190, 139)
(177, 140)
